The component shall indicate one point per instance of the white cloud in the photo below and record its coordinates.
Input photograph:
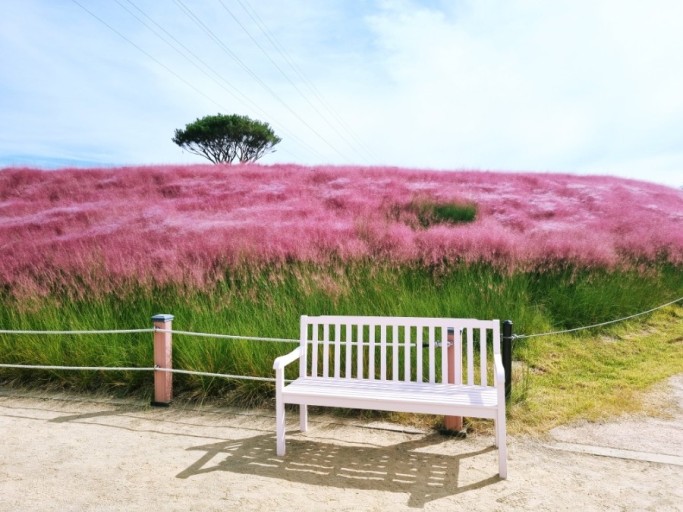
(520, 84)
(542, 85)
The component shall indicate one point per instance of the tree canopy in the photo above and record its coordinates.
(226, 138)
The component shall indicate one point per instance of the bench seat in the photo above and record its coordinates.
(398, 396)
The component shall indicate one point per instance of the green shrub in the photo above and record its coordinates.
(429, 212)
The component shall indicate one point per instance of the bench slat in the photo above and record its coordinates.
(470, 357)
(457, 348)
(314, 350)
(444, 355)
(394, 352)
(383, 352)
(326, 350)
(359, 354)
(371, 354)
(432, 359)
(406, 355)
(347, 344)
(482, 357)
(337, 350)
(420, 341)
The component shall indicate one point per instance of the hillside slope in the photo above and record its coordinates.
(190, 223)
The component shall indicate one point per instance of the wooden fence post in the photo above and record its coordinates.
(163, 347)
(452, 422)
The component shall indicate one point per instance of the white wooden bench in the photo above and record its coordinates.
(396, 364)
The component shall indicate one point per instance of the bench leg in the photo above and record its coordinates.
(501, 443)
(280, 427)
(303, 417)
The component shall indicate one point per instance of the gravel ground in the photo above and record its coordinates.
(69, 452)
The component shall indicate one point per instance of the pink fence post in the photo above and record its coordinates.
(452, 422)
(163, 346)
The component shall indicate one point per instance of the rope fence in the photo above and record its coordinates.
(219, 375)
(108, 331)
(593, 326)
(226, 336)
(163, 332)
(92, 368)
(133, 369)
(273, 340)
(292, 340)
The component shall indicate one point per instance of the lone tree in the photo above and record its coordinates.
(222, 138)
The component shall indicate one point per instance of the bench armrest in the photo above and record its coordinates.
(498, 371)
(283, 361)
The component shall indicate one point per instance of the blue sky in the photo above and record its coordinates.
(588, 87)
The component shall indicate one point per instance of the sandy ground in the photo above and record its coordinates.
(65, 452)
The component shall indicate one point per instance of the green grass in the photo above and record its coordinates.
(429, 212)
(596, 376)
(424, 212)
(267, 302)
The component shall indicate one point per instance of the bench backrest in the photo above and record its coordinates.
(399, 348)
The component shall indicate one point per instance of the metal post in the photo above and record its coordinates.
(507, 356)
(163, 346)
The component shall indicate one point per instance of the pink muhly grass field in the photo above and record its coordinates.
(190, 223)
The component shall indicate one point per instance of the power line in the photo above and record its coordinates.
(232, 90)
(188, 12)
(158, 62)
(284, 74)
(207, 70)
(251, 12)
(169, 70)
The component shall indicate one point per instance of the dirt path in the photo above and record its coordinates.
(67, 453)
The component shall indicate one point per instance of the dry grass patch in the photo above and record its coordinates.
(598, 377)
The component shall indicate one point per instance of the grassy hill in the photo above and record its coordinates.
(173, 224)
(247, 249)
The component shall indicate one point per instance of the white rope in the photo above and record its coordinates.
(277, 340)
(112, 331)
(226, 336)
(220, 375)
(134, 369)
(523, 336)
(94, 368)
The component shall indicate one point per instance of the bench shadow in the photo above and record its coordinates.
(100, 414)
(397, 468)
